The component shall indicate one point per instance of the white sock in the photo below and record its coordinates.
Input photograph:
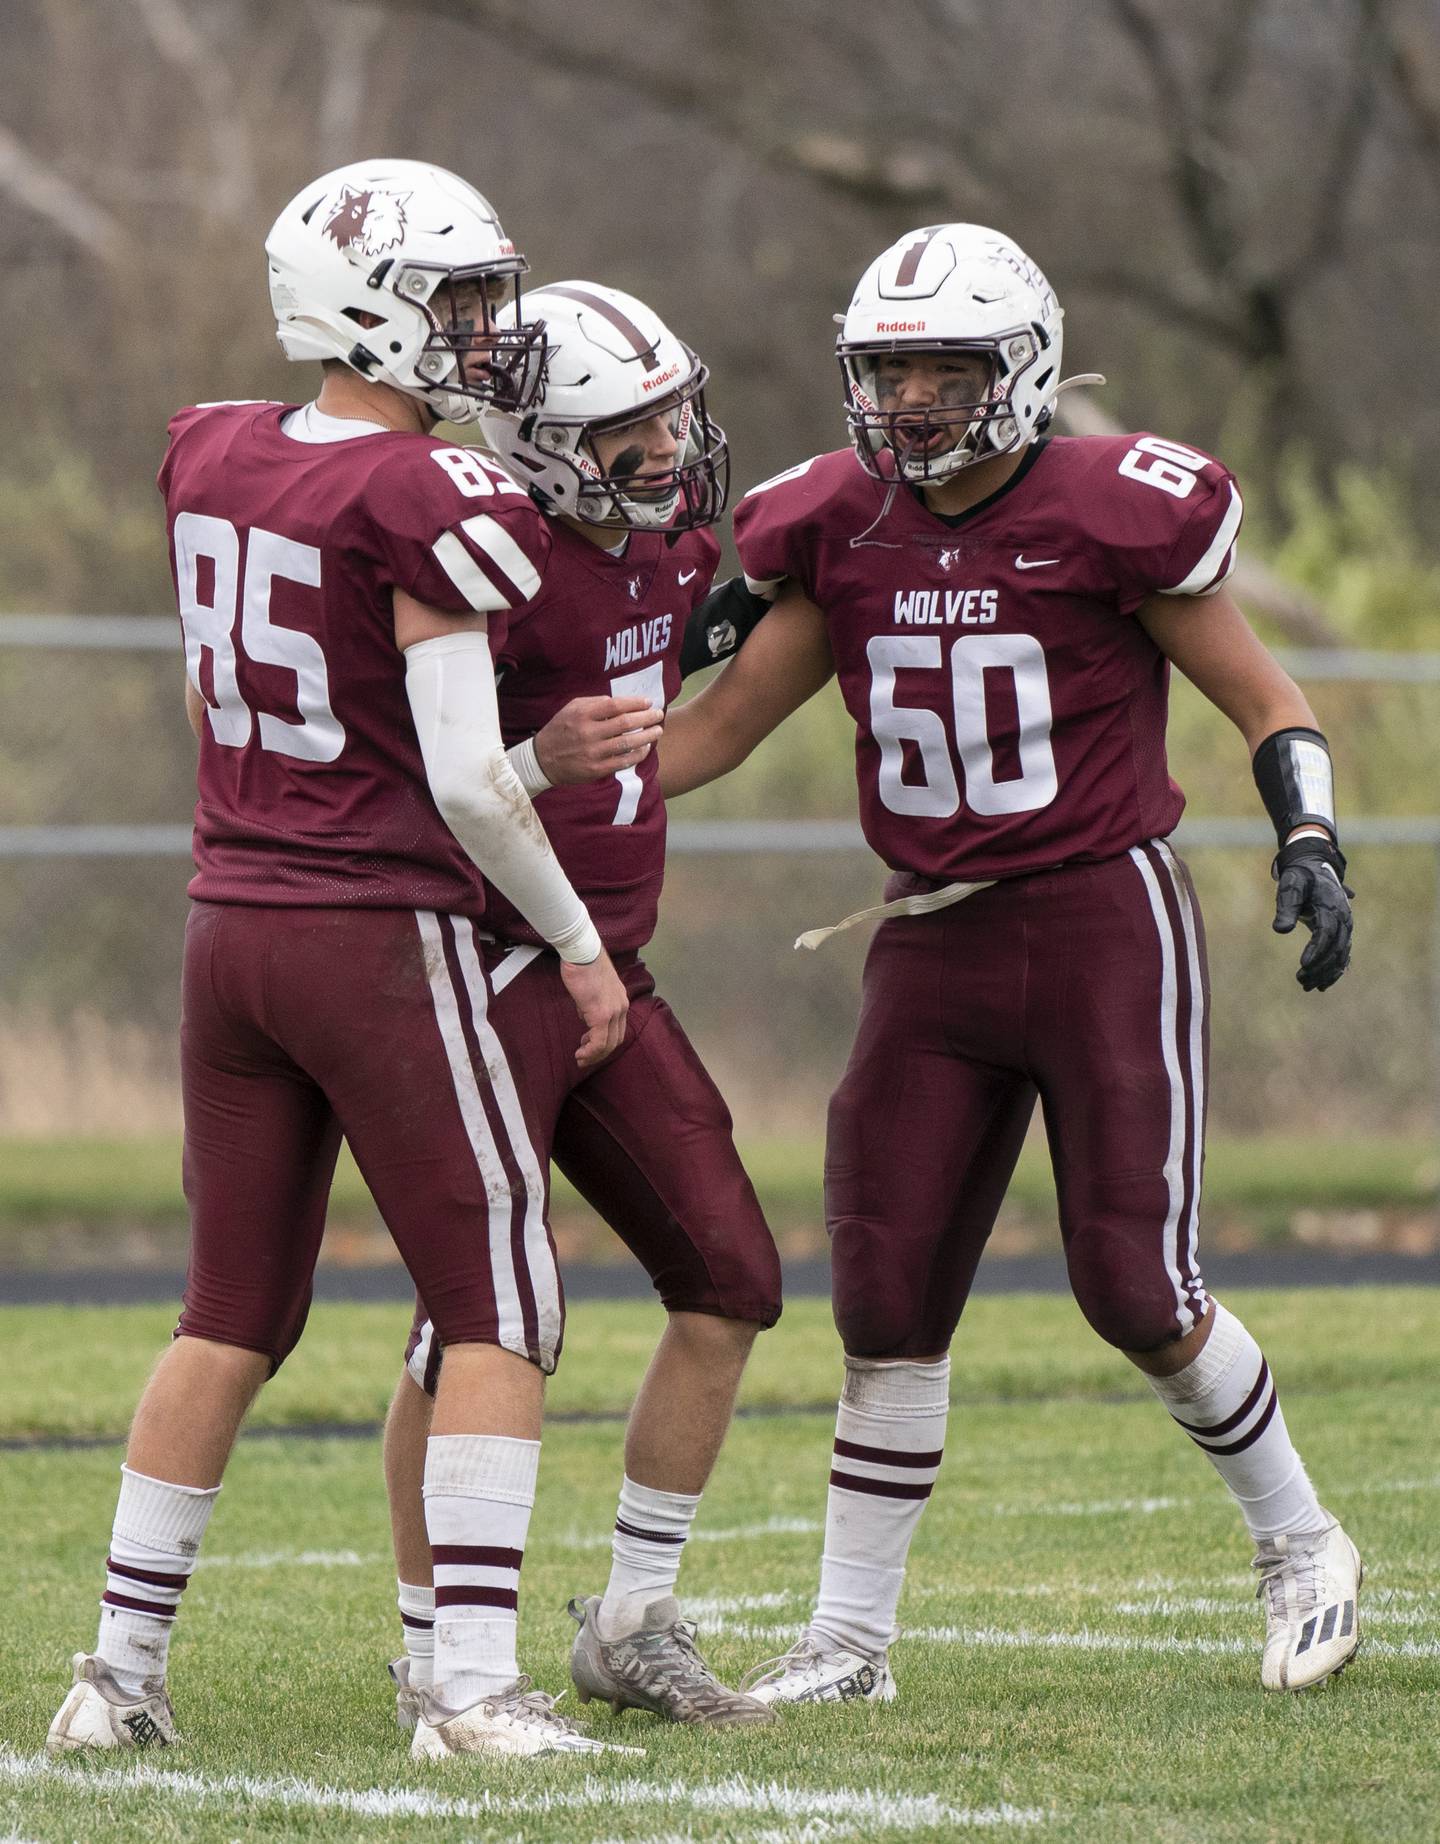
(153, 1547)
(479, 1492)
(1226, 1402)
(650, 1531)
(417, 1623)
(889, 1435)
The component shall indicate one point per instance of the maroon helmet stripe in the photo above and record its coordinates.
(910, 263)
(621, 322)
(885, 1456)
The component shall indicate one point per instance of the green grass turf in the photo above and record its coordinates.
(138, 1181)
(1068, 1509)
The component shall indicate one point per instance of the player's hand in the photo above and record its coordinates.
(1310, 888)
(593, 737)
(602, 1002)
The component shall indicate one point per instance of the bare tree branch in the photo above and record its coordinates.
(39, 188)
(342, 88)
(178, 40)
(1342, 166)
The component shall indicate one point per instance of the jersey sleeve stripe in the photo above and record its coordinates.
(1209, 572)
(467, 576)
(491, 537)
(767, 587)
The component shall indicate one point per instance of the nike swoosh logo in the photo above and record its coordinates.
(685, 575)
(1034, 563)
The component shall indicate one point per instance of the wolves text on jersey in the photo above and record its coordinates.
(632, 643)
(946, 607)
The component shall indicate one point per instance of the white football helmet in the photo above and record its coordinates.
(951, 287)
(365, 265)
(612, 361)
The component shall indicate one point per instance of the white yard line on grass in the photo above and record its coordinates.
(293, 1559)
(736, 1794)
(980, 1637)
(739, 1533)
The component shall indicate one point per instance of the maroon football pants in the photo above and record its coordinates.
(645, 1139)
(300, 1025)
(1085, 986)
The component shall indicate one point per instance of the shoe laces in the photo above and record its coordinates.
(806, 1653)
(1297, 1568)
(522, 1699)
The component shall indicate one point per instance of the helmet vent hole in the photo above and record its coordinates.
(1044, 378)
(309, 213)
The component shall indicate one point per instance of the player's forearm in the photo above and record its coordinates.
(699, 746)
(450, 683)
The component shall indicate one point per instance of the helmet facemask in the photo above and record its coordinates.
(977, 430)
(690, 493)
(480, 351)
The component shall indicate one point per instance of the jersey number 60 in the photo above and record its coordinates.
(937, 796)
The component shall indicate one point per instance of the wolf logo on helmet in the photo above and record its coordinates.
(370, 222)
(396, 269)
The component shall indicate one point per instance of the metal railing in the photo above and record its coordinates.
(787, 838)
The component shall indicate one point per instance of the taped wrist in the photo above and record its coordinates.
(1296, 782)
(526, 763)
(719, 625)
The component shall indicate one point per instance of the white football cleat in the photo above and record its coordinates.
(1311, 1589)
(817, 1670)
(97, 1713)
(516, 1720)
(407, 1700)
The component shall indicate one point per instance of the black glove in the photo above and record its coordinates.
(1310, 887)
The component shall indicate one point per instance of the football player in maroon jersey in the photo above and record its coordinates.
(344, 581)
(631, 472)
(1002, 609)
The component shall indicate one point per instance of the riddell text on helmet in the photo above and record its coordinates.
(899, 326)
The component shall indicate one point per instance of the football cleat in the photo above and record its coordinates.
(407, 1701)
(817, 1670)
(657, 1667)
(1310, 1586)
(97, 1713)
(516, 1720)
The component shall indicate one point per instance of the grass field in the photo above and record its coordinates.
(137, 1181)
(1081, 1660)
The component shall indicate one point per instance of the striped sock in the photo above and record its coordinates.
(153, 1547)
(417, 1623)
(479, 1492)
(889, 1438)
(650, 1531)
(1225, 1400)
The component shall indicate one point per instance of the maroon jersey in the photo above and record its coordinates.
(285, 555)
(1009, 708)
(604, 625)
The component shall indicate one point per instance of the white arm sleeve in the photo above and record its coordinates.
(450, 682)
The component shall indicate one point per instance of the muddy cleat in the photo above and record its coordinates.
(407, 1701)
(816, 1670)
(1311, 1589)
(656, 1668)
(97, 1713)
(516, 1720)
